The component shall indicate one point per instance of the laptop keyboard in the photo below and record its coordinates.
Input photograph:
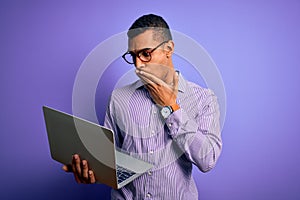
(123, 174)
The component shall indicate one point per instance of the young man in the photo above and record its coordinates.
(162, 119)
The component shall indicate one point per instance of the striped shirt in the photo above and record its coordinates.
(190, 135)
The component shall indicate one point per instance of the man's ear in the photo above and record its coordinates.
(169, 48)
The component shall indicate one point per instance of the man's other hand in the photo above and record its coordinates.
(81, 170)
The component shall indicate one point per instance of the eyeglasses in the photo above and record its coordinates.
(144, 55)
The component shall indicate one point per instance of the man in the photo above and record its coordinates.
(161, 118)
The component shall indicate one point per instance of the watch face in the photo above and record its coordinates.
(165, 112)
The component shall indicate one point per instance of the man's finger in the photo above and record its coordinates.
(146, 81)
(77, 179)
(157, 70)
(151, 79)
(67, 168)
(85, 169)
(76, 168)
(77, 164)
(175, 81)
(92, 177)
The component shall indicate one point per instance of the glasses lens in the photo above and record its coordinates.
(129, 58)
(145, 55)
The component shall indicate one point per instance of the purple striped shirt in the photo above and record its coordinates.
(190, 135)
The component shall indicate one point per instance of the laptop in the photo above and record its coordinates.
(69, 135)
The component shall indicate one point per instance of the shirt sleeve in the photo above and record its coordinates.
(109, 122)
(198, 137)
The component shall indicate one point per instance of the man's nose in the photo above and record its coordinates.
(138, 63)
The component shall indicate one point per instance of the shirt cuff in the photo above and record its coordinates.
(179, 120)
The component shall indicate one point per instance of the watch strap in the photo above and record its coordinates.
(174, 107)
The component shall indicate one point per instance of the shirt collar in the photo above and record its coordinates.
(181, 83)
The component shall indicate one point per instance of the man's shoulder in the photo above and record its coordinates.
(201, 93)
(198, 90)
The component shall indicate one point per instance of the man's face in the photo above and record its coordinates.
(160, 63)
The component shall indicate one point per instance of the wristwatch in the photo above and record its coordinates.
(166, 111)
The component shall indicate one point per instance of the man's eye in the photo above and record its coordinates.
(145, 54)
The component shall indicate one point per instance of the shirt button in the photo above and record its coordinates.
(170, 125)
(153, 132)
(149, 173)
(154, 111)
(151, 152)
(148, 195)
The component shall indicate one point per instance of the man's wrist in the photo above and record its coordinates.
(166, 111)
(175, 107)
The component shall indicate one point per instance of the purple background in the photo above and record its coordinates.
(255, 45)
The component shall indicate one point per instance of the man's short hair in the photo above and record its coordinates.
(161, 31)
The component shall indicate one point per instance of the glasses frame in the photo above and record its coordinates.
(138, 53)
